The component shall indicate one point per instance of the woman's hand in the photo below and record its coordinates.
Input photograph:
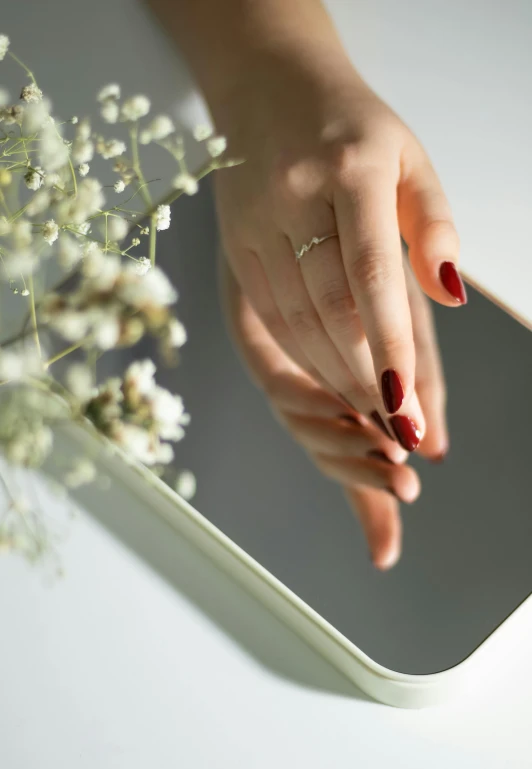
(324, 155)
(343, 445)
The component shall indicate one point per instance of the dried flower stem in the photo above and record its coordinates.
(153, 236)
(142, 188)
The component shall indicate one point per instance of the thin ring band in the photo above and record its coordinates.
(314, 242)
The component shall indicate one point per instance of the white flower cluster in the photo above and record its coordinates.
(113, 305)
(139, 415)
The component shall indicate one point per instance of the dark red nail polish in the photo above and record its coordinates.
(352, 419)
(379, 421)
(380, 455)
(392, 391)
(452, 282)
(406, 431)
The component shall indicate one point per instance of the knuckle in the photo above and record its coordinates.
(371, 269)
(301, 321)
(338, 306)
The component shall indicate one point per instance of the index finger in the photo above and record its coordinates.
(368, 229)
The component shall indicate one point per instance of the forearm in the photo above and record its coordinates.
(225, 41)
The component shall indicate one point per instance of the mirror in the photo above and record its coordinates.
(467, 540)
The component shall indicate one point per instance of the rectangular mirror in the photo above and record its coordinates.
(467, 559)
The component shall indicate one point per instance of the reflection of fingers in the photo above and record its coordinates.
(379, 517)
(341, 439)
(400, 480)
(430, 382)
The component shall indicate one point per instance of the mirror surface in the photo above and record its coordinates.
(467, 541)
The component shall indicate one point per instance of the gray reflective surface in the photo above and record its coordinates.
(467, 541)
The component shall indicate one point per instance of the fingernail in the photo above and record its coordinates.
(392, 391)
(379, 421)
(452, 282)
(407, 432)
(352, 419)
(377, 454)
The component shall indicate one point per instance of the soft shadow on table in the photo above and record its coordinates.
(234, 611)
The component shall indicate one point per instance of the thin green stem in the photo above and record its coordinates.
(64, 353)
(153, 238)
(33, 314)
(134, 134)
(26, 69)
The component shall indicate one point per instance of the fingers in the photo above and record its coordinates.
(341, 438)
(300, 315)
(430, 382)
(427, 226)
(400, 480)
(371, 250)
(379, 517)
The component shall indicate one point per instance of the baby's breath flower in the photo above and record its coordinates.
(185, 485)
(162, 218)
(82, 150)
(110, 111)
(31, 93)
(202, 132)
(25, 292)
(39, 203)
(117, 228)
(16, 364)
(79, 381)
(53, 180)
(84, 169)
(69, 252)
(4, 46)
(83, 131)
(145, 231)
(53, 152)
(74, 119)
(4, 97)
(110, 91)
(12, 115)
(119, 186)
(21, 233)
(187, 183)
(134, 108)
(135, 242)
(50, 231)
(111, 148)
(159, 128)
(82, 472)
(34, 177)
(216, 146)
(89, 201)
(140, 375)
(142, 266)
(35, 116)
(177, 333)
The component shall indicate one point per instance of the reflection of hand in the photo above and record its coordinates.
(338, 441)
(324, 155)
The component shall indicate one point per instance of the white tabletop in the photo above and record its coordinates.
(117, 667)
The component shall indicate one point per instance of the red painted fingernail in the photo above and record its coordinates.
(379, 421)
(407, 432)
(380, 455)
(452, 282)
(392, 391)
